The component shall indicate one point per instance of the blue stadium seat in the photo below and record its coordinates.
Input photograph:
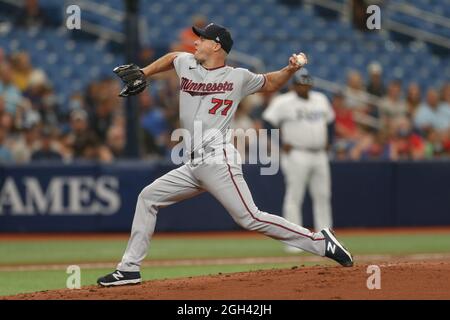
(266, 29)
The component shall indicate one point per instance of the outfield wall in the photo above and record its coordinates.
(92, 197)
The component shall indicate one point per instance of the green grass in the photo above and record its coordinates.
(30, 252)
(78, 251)
(400, 244)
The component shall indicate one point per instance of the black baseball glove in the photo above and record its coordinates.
(133, 78)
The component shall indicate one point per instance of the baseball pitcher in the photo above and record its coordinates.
(210, 92)
(303, 117)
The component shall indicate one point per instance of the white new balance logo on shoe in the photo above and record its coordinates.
(331, 247)
(117, 275)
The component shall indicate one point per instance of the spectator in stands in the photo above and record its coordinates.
(23, 71)
(392, 106)
(375, 85)
(43, 100)
(434, 146)
(445, 105)
(432, 115)
(6, 119)
(78, 129)
(24, 146)
(26, 115)
(102, 118)
(5, 153)
(187, 36)
(116, 141)
(168, 98)
(92, 149)
(405, 144)
(47, 150)
(155, 127)
(370, 144)
(354, 93)
(76, 102)
(31, 15)
(446, 143)
(345, 126)
(413, 99)
(445, 95)
(259, 105)
(340, 150)
(35, 90)
(91, 96)
(8, 89)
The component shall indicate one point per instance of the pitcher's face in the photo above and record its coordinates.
(204, 48)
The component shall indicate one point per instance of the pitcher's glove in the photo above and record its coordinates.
(133, 78)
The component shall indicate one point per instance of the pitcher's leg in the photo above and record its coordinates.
(320, 189)
(229, 187)
(174, 186)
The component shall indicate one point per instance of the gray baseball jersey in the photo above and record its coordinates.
(210, 97)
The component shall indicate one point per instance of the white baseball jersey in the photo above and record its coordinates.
(210, 97)
(303, 122)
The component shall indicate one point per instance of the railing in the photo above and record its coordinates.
(389, 24)
(361, 118)
(417, 33)
(96, 29)
(414, 32)
(419, 13)
(100, 9)
(338, 6)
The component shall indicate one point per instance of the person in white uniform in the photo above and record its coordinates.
(210, 92)
(304, 117)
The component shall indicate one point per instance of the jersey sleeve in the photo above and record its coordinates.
(251, 82)
(180, 60)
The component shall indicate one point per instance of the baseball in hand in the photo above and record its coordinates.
(301, 59)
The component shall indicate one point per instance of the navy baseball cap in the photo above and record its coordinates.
(302, 77)
(217, 33)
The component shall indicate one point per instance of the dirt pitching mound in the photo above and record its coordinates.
(418, 280)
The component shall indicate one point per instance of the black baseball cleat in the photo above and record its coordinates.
(120, 278)
(335, 250)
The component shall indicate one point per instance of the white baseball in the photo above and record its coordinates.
(301, 59)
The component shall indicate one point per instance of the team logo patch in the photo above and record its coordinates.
(204, 89)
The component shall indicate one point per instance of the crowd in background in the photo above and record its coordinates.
(392, 121)
(374, 120)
